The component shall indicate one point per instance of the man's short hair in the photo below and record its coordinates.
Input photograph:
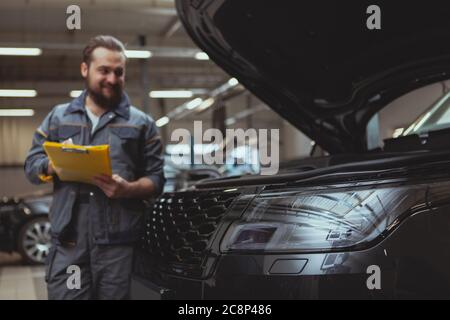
(102, 41)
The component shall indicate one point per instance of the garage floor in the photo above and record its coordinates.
(19, 281)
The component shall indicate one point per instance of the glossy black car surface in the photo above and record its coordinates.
(359, 223)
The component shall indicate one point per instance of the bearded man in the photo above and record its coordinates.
(94, 226)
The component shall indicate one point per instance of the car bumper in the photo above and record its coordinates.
(409, 263)
(342, 275)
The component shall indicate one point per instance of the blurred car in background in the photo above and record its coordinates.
(183, 173)
(25, 228)
(182, 177)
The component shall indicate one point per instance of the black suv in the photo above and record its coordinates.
(336, 224)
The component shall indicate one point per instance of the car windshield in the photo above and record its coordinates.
(436, 118)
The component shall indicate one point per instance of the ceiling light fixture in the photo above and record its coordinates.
(138, 54)
(20, 51)
(162, 121)
(201, 56)
(22, 93)
(75, 93)
(16, 112)
(171, 94)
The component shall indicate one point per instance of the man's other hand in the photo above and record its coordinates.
(113, 187)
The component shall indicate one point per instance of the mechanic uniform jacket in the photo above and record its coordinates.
(135, 150)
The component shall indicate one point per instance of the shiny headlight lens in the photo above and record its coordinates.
(320, 220)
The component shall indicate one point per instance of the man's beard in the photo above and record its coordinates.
(103, 101)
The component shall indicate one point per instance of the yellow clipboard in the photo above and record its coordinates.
(78, 163)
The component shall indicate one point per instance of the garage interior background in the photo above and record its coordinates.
(176, 64)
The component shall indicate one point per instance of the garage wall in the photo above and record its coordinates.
(16, 134)
(14, 183)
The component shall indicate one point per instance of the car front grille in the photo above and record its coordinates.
(180, 225)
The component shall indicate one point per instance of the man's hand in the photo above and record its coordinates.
(113, 187)
(50, 169)
(118, 187)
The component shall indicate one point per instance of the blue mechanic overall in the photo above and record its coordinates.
(89, 230)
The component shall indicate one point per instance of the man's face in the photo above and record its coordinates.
(105, 76)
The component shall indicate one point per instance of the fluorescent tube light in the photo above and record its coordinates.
(16, 112)
(233, 82)
(20, 51)
(75, 93)
(201, 56)
(171, 94)
(17, 93)
(138, 54)
(162, 121)
(194, 103)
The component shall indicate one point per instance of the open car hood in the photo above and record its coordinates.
(317, 64)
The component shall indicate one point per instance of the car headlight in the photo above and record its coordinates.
(321, 220)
